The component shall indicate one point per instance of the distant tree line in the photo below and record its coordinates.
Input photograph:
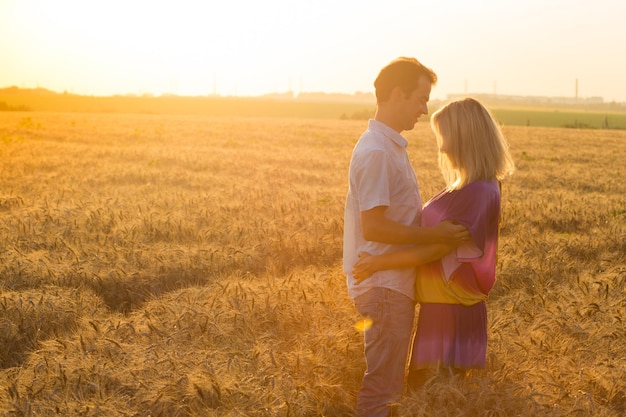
(7, 107)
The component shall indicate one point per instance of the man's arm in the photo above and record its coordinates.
(415, 256)
(379, 228)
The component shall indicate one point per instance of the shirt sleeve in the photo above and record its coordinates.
(371, 179)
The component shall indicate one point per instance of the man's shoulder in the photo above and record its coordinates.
(371, 140)
(374, 132)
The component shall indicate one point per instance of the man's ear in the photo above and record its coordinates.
(397, 94)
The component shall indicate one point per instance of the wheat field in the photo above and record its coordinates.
(180, 265)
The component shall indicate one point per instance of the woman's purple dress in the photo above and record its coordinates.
(452, 325)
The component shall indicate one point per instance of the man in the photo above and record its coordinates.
(382, 214)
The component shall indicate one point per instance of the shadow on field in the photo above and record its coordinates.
(31, 316)
(126, 293)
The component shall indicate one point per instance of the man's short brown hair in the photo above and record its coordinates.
(403, 72)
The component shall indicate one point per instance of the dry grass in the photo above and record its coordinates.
(190, 266)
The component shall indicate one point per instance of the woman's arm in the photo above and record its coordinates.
(418, 255)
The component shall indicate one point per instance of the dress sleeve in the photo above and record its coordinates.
(476, 207)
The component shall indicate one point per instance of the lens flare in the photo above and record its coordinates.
(363, 325)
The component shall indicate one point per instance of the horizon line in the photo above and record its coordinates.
(294, 95)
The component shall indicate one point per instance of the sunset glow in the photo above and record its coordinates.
(252, 48)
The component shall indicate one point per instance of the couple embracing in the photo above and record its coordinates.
(441, 255)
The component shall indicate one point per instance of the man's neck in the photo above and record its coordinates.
(387, 118)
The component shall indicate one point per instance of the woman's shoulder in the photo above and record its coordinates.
(483, 187)
(485, 191)
(477, 190)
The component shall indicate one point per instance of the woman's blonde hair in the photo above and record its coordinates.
(471, 144)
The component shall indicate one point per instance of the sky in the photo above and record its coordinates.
(250, 47)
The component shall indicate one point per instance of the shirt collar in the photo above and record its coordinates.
(397, 138)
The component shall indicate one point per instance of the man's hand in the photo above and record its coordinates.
(363, 268)
(452, 233)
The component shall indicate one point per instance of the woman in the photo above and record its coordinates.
(452, 325)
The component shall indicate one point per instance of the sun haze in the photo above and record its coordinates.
(552, 48)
